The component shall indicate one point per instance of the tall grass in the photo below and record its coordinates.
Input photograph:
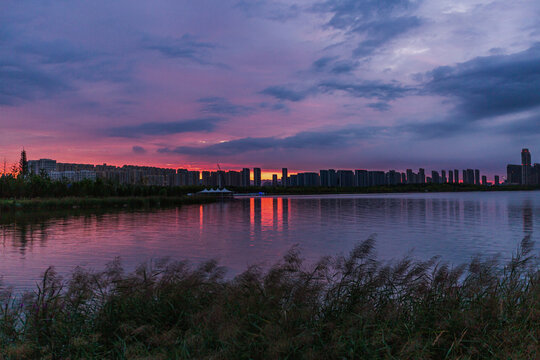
(344, 307)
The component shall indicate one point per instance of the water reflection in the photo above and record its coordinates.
(254, 230)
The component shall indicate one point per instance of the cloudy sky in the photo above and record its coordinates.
(375, 84)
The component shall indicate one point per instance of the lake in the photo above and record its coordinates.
(257, 230)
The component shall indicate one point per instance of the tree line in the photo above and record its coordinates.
(20, 183)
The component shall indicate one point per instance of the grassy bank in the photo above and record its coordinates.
(131, 202)
(340, 308)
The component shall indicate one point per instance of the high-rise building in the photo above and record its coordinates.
(465, 181)
(497, 181)
(456, 176)
(206, 178)
(450, 176)
(435, 177)
(393, 177)
(484, 180)
(42, 165)
(274, 180)
(332, 178)
(345, 178)
(376, 178)
(257, 177)
(525, 166)
(421, 176)
(410, 176)
(309, 179)
(220, 178)
(470, 176)
(246, 177)
(324, 178)
(284, 177)
(194, 178)
(513, 174)
(361, 178)
(476, 177)
(443, 177)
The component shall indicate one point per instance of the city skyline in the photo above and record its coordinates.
(129, 173)
(527, 173)
(386, 84)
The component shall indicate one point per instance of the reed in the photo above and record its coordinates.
(343, 307)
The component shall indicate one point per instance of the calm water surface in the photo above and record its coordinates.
(260, 230)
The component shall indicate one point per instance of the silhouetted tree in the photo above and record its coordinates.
(23, 164)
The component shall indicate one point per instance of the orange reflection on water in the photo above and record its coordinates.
(268, 213)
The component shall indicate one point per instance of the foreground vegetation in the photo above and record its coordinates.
(342, 307)
(36, 186)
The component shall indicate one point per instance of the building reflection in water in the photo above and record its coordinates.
(527, 217)
(252, 230)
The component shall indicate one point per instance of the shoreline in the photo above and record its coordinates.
(392, 189)
(73, 203)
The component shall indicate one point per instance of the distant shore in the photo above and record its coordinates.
(131, 202)
(405, 188)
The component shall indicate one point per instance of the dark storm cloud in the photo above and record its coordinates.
(491, 85)
(276, 11)
(484, 88)
(274, 107)
(378, 21)
(332, 65)
(139, 150)
(343, 67)
(284, 93)
(303, 140)
(367, 89)
(435, 129)
(380, 106)
(379, 33)
(54, 52)
(323, 62)
(220, 105)
(165, 128)
(187, 47)
(20, 83)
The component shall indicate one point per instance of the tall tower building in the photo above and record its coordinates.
(450, 176)
(476, 177)
(525, 166)
(456, 176)
(443, 177)
(470, 176)
(245, 177)
(410, 177)
(421, 176)
(257, 177)
(284, 177)
(435, 177)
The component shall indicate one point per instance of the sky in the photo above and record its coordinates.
(376, 84)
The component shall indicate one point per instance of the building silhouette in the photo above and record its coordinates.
(257, 177)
